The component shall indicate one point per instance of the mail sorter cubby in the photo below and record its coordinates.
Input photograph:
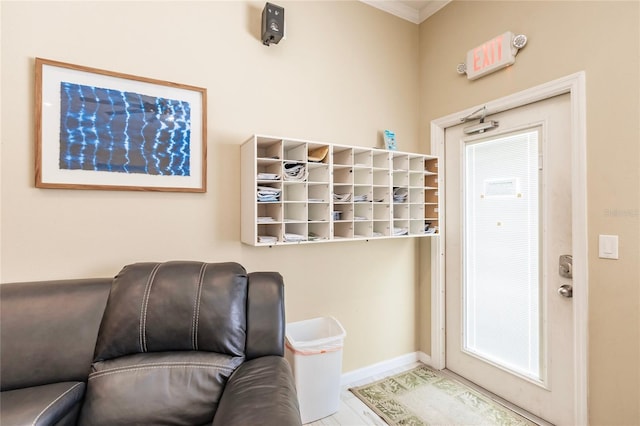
(297, 191)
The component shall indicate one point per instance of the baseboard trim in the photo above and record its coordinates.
(352, 377)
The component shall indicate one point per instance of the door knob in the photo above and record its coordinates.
(566, 290)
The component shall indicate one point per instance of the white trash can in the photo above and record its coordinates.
(314, 350)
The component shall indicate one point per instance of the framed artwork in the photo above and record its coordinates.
(98, 129)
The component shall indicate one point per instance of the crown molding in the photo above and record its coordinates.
(395, 8)
(432, 7)
(406, 12)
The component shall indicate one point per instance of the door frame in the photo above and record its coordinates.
(575, 86)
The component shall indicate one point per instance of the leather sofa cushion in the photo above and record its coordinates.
(174, 388)
(175, 306)
(53, 404)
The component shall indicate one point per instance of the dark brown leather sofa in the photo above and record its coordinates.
(175, 343)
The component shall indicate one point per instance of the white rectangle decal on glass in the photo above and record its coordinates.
(501, 187)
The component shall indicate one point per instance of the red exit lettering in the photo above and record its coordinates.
(488, 54)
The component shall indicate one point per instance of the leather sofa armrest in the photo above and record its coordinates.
(261, 391)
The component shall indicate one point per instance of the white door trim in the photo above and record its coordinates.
(575, 86)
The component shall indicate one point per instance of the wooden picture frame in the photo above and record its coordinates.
(98, 129)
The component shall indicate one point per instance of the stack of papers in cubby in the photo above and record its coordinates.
(342, 197)
(267, 193)
(400, 231)
(264, 219)
(268, 176)
(360, 198)
(400, 195)
(294, 237)
(267, 239)
(295, 171)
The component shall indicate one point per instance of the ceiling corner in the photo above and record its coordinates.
(431, 8)
(396, 8)
(415, 11)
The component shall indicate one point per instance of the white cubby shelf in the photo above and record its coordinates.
(313, 192)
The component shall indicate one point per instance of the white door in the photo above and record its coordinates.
(508, 216)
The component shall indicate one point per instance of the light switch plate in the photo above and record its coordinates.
(608, 247)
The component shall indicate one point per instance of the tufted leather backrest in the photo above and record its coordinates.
(265, 316)
(48, 330)
(175, 306)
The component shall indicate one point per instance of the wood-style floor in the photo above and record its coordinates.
(352, 411)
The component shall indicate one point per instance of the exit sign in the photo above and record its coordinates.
(491, 56)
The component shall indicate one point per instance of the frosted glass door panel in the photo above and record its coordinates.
(501, 314)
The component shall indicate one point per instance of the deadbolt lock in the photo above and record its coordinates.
(565, 266)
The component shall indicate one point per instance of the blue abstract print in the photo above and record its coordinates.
(124, 132)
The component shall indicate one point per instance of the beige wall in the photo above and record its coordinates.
(345, 72)
(341, 82)
(601, 38)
